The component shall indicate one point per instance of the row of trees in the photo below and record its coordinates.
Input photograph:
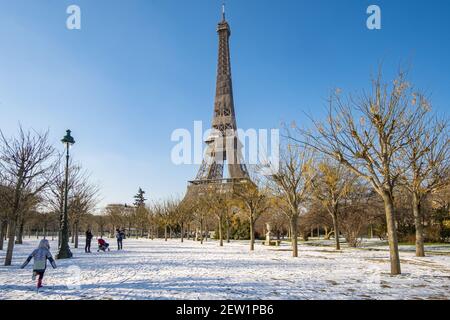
(359, 212)
(32, 188)
(326, 194)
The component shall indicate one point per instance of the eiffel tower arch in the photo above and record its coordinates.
(222, 146)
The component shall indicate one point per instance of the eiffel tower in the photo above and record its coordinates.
(223, 144)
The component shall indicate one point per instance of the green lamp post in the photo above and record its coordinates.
(64, 250)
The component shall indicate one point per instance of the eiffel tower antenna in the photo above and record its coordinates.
(223, 11)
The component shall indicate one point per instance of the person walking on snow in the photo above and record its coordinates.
(87, 248)
(40, 256)
(119, 237)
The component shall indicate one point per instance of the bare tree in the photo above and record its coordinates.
(427, 159)
(232, 208)
(441, 212)
(101, 221)
(56, 190)
(332, 184)
(441, 199)
(47, 221)
(368, 134)
(27, 165)
(184, 214)
(358, 210)
(152, 221)
(293, 182)
(316, 217)
(166, 212)
(254, 202)
(200, 215)
(29, 207)
(83, 199)
(216, 201)
(141, 219)
(116, 215)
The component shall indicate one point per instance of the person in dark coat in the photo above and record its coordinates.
(40, 256)
(89, 237)
(119, 237)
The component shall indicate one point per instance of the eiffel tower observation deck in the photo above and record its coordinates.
(222, 146)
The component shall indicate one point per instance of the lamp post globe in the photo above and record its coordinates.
(68, 139)
(64, 249)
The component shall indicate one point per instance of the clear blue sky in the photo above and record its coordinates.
(139, 69)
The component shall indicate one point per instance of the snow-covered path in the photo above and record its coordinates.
(155, 269)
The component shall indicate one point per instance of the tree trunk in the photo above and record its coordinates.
(11, 238)
(420, 248)
(228, 230)
(392, 234)
(252, 236)
(182, 232)
(201, 231)
(327, 235)
(19, 238)
(220, 232)
(2, 234)
(304, 236)
(45, 230)
(73, 234)
(252, 233)
(336, 230)
(76, 235)
(294, 235)
(165, 233)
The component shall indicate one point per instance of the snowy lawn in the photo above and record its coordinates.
(155, 269)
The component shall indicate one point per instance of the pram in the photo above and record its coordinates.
(102, 245)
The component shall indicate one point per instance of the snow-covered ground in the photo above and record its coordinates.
(155, 269)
